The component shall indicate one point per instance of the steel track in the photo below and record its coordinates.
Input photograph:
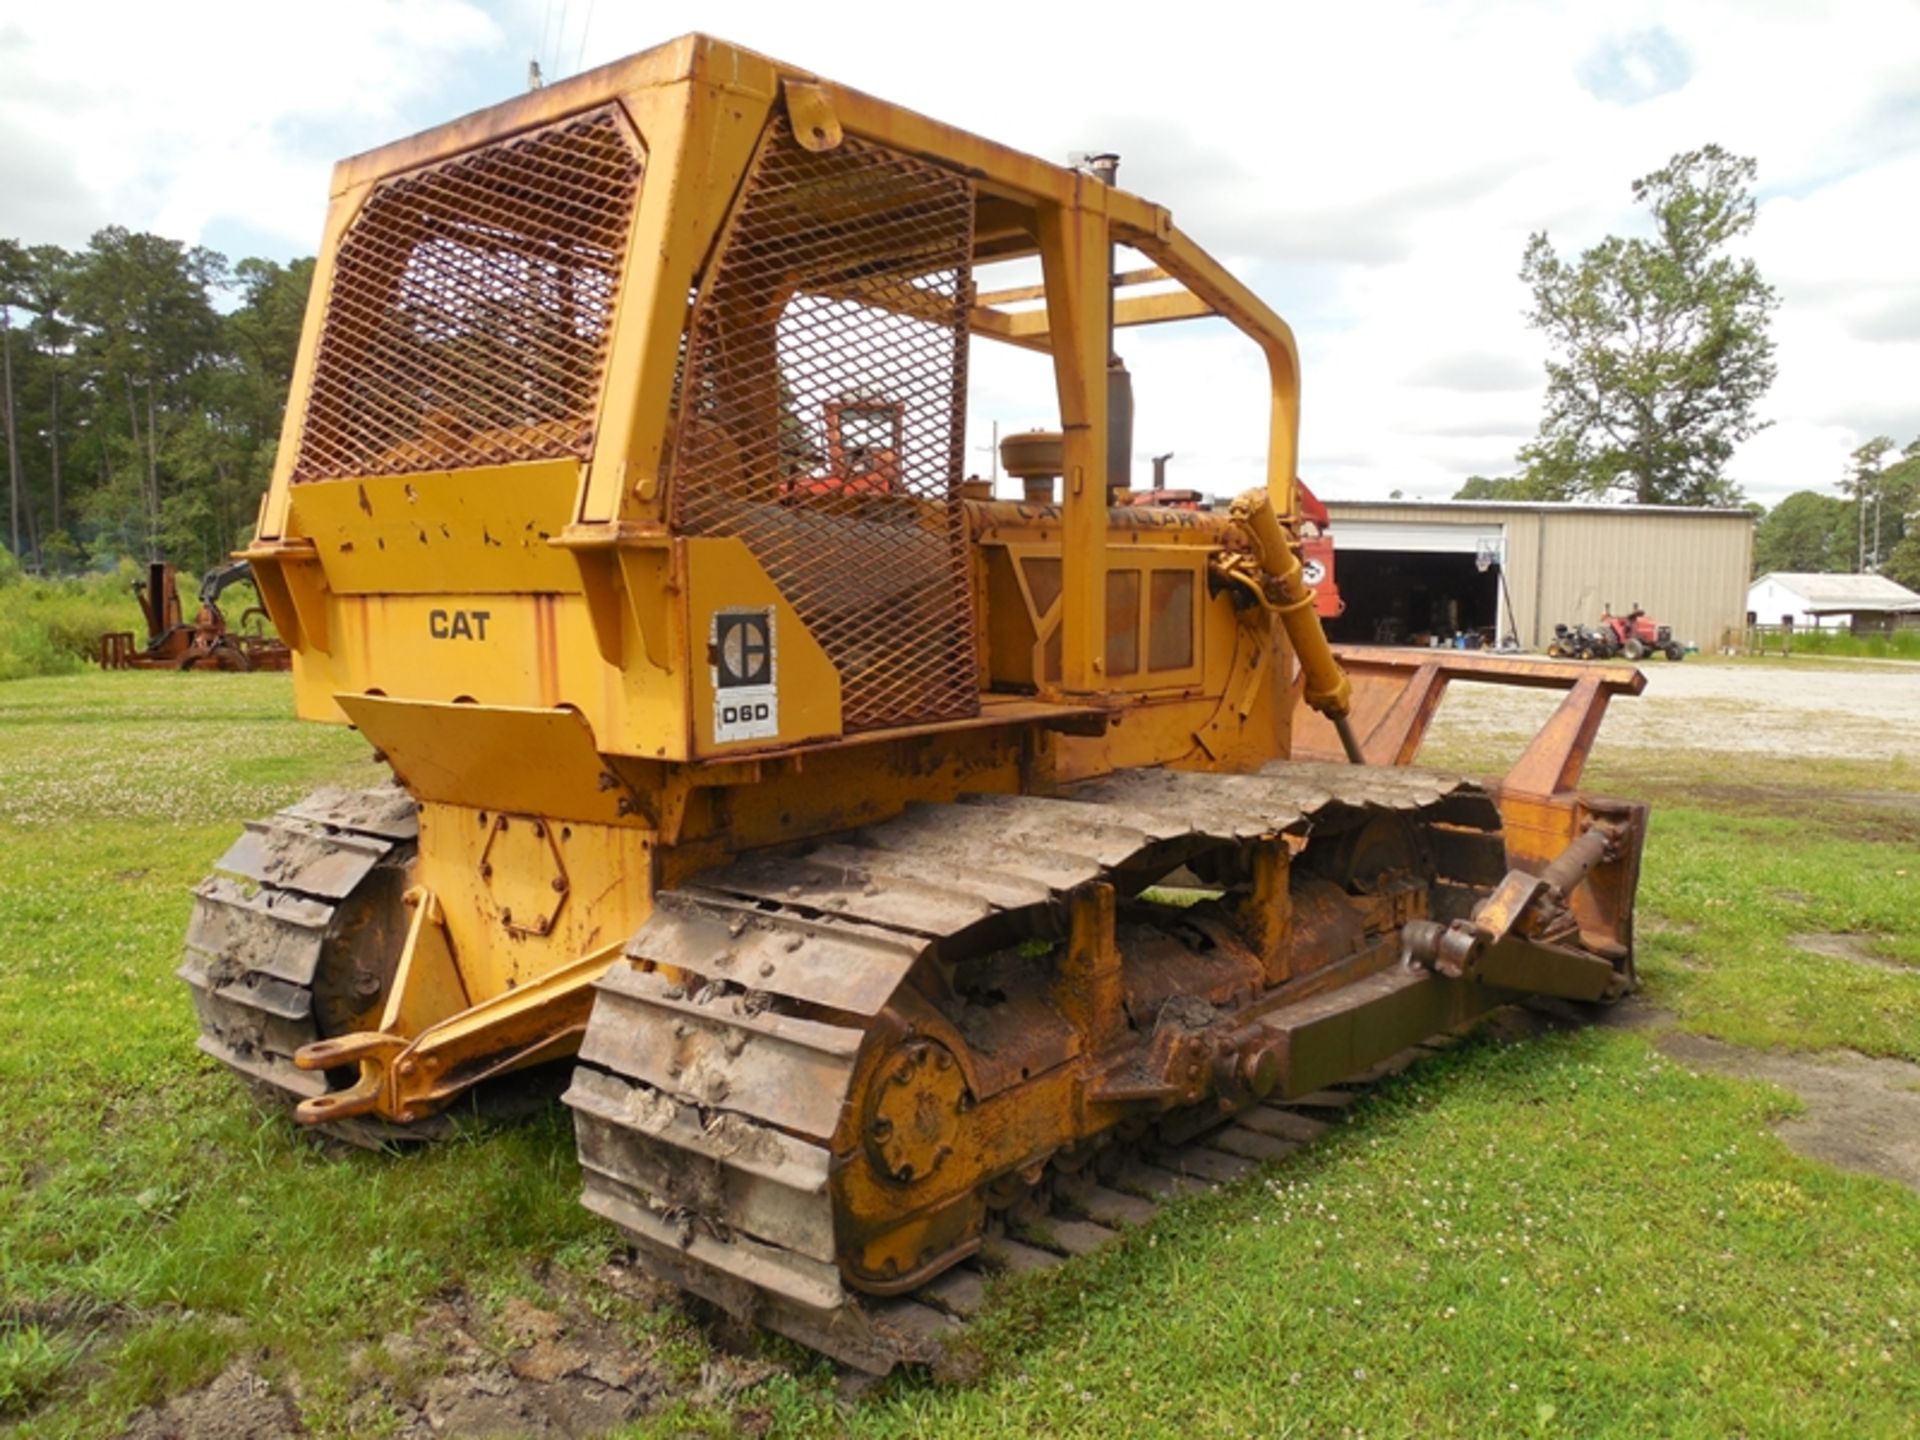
(715, 1069)
(275, 920)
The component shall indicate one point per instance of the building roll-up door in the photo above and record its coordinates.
(1425, 538)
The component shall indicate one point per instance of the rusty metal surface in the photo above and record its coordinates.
(468, 316)
(1396, 692)
(205, 644)
(720, 1096)
(843, 281)
(1556, 756)
(828, 961)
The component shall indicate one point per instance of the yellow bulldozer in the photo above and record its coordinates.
(882, 856)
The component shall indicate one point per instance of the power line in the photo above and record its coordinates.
(546, 31)
(585, 26)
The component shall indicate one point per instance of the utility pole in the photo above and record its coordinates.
(1860, 519)
(993, 460)
(13, 439)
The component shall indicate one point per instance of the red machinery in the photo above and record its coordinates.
(1316, 537)
(1636, 636)
(864, 439)
(1316, 553)
(206, 644)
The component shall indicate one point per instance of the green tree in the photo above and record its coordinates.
(1903, 562)
(153, 337)
(1660, 352)
(1511, 487)
(1807, 533)
(143, 405)
(1885, 487)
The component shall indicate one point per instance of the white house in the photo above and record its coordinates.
(1809, 601)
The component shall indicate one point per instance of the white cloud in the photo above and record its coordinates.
(232, 112)
(1374, 170)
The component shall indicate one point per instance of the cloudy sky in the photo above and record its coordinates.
(1373, 170)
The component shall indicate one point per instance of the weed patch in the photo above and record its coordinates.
(53, 627)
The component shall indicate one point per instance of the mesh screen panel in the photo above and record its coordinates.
(822, 408)
(468, 315)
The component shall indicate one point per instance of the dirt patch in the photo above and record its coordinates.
(1857, 948)
(551, 1368)
(1885, 799)
(1862, 1114)
(237, 1405)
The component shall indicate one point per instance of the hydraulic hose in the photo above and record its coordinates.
(1328, 689)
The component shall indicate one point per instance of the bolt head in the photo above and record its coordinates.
(1260, 1070)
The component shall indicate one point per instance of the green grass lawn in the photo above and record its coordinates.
(1568, 1235)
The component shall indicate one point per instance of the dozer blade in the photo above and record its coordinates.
(1396, 692)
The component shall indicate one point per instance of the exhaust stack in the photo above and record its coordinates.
(1105, 167)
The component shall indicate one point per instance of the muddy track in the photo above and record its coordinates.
(292, 929)
(715, 1071)
(1070, 1217)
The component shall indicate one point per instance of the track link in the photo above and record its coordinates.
(292, 925)
(715, 1069)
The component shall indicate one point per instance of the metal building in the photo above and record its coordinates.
(1413, 569)
(1864, 604)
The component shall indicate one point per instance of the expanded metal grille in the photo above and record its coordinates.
(467, 319)
(821, 414)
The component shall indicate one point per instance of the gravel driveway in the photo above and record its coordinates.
(1808, 707)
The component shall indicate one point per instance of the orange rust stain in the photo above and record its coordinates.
(546, 632)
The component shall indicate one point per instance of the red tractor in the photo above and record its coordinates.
(864, 443)
(1636, 636)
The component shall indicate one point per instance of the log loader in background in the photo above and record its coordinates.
(816, 806)
(208, 643)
